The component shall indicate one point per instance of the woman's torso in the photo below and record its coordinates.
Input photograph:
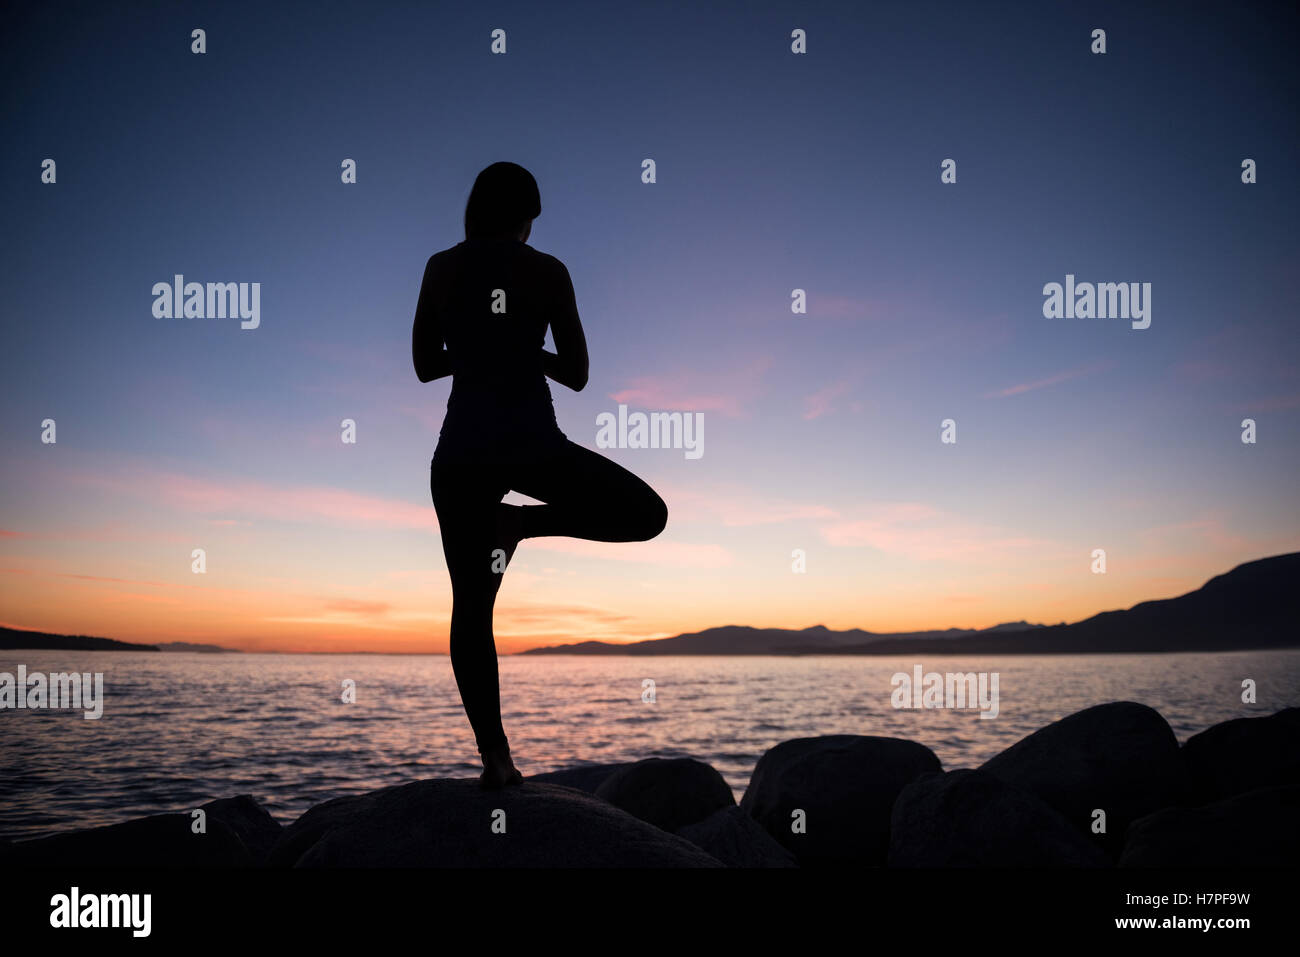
(494, 303)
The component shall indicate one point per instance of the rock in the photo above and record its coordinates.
(737, 840)
(1120, 757)
(1243, 755)
(970, 818)
(1259, 829)
(585, 777)
(250, 821)
(449, 823)
(239, 834)
(667, 792)
(845, 784)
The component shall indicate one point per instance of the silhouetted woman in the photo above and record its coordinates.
(482, 316)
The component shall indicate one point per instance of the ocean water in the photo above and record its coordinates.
(181, 729)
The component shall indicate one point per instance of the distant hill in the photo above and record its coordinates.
(1254, 606)
(743, 640)
(196, 647)
(36, 640)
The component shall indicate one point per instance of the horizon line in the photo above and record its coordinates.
(1028, 624)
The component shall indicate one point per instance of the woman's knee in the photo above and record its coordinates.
(654, 515)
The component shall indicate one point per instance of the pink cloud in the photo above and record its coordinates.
(679, 393)
(106, 532)
(252, 499)
(1210, 530)
(662, 395)
(918, 531)
(823, 400)
(654, 552)
(737, 506)
(1051, 380)
(116, 581)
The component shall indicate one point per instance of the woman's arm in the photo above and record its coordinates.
(568, 365)
(427, 350)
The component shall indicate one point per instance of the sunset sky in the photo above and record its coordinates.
(775, 171)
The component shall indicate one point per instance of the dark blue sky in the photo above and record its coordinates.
(775, 171)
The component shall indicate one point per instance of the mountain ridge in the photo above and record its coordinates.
(22, 638)
(1255, 605)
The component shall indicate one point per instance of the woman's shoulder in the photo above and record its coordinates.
(449, 252)
(546, 263)
(441, 258)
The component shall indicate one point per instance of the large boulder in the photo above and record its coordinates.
(1121, 758)
(737, 840)
(1259, 829)
(844, 784)
(970, 818)
(251, 822)
(239, 833)
(455, 823)
(1243, 755)
(667, 792)
(585, 777)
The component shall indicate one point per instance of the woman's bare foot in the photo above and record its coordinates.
(499, 770)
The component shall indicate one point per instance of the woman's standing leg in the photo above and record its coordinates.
(586, 495)
(467, 499)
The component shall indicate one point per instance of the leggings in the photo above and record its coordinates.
(586, 496)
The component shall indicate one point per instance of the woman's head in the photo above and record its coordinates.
(503, 201)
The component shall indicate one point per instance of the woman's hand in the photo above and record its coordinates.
(568, 365)
(563, 372)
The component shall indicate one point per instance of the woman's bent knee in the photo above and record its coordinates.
(654, 516)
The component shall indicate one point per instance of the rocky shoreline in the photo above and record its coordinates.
(1106, 787)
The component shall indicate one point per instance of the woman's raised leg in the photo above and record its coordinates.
(586, 496)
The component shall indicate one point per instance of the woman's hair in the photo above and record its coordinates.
(504, 197)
